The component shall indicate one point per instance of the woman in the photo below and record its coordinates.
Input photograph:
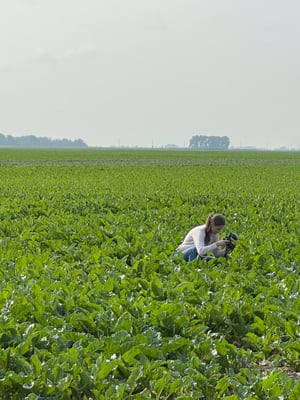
(204, 239)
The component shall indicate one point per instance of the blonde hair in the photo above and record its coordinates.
(213, 219)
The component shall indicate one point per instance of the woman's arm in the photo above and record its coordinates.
(199, 237)
(202, 249)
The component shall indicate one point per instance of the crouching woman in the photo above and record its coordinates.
(203, 240)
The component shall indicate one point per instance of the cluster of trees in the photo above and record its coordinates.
(34, 141)
(209, 142)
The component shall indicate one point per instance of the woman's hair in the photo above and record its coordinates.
(213, 219)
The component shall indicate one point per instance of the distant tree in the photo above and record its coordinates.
(34, 141)
(2, 139)
(11, 140)
(209, 142)
(79, 143)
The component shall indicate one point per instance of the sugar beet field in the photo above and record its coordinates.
(93, 303)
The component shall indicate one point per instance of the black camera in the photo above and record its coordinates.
(231, 238)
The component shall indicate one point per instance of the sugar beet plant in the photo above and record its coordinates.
(95, 306)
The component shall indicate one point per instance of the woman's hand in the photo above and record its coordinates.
(222, 243)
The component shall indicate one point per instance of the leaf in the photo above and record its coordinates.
(37, 366)
(269, 382)
(130, 356)
(291, 329)
(107, 367)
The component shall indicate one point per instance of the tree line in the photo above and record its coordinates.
(209, 142)
(34, 141)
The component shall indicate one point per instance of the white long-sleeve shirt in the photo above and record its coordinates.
(196, 237)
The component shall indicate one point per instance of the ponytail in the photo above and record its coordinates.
(208, 225)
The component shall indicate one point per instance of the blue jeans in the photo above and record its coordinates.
(191, 254)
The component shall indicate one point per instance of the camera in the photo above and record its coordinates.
(231, 238)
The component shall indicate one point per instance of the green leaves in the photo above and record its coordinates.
(95, 306)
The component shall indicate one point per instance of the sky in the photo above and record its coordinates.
(149, 73)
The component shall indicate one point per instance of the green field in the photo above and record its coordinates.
(95, 306)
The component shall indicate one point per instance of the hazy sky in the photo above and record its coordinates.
(151, 72)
